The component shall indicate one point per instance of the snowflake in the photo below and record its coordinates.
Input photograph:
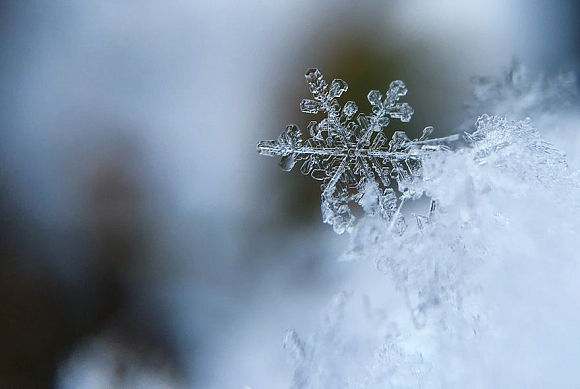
(352, 156)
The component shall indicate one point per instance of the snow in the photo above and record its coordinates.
(482, 291)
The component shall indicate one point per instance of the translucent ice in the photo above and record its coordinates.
(352, 157)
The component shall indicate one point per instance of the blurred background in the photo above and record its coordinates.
(144, 243)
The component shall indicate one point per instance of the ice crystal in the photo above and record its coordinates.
(352, 156)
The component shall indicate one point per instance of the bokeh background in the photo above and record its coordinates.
(143, 242)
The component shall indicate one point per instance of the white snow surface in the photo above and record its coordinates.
(482, 293)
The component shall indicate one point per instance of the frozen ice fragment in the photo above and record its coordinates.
(307, 166)
(375, 97)
(349, 109)
(309, 106)
(426, 132)
(397, 89)
(268, 147)
(381, 121)
(313, 75)
(337, 88)
(290, 139)
(333, 108)
(404, 112)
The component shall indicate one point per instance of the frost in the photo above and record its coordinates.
(516, 146)
(431, 262)
(551, 101)
(485, 283)
(502, 205)
(352, 156)
(382, 357)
